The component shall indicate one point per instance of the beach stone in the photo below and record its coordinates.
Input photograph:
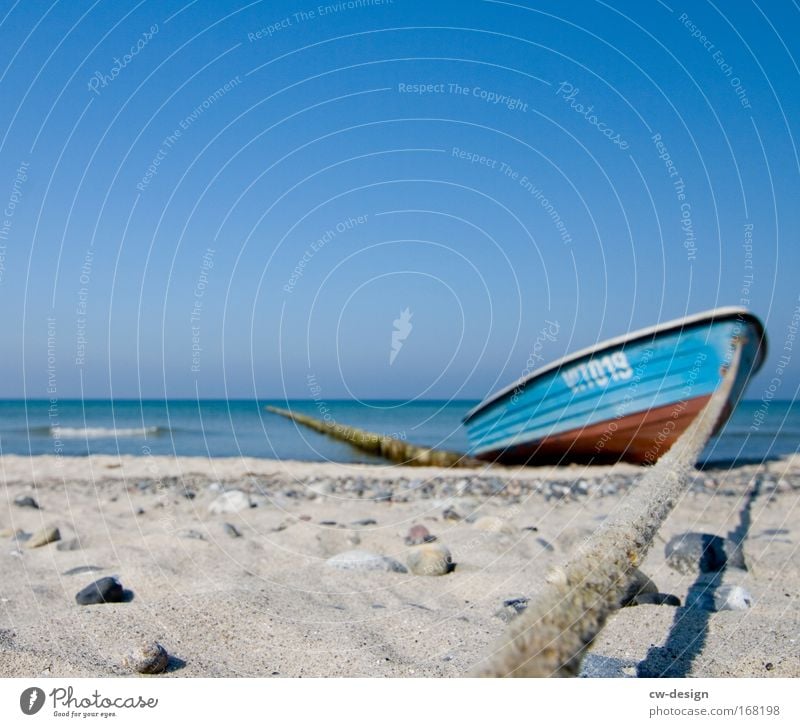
(362, 560)
(105, 590)
(82, 569)
(43, 537)
(639, 585)
(722, 598)
(693, 552)
(230, 502)
(548, 546)
(147, 658)
(512, 607)
(232, 530)
(492, 524)
(449, 513)
(26, 501)
(419, 534)
(430, 559)
(365, 521)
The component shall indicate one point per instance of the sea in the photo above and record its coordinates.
(231, 428)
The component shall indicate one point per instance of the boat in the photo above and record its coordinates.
(625, 399)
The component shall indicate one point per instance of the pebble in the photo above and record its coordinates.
(229, 502)
(707, 553)
(147, 658)
(419, 534)
(365, 521)
(546, 545)
(43, 537)
(81, 569)
(722, 598)
(492, 524)
(449, 513)
(232, 530)
(430, 559)
(362, 560)
(512, 607)
(105, 590)
(26, 501)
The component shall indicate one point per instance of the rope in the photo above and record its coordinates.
(551, 636)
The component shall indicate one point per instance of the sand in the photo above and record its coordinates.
(266, 603)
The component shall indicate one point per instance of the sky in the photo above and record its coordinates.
(384, 200)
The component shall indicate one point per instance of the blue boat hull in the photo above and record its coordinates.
(628, 399)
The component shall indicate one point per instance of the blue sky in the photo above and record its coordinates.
(225, 198)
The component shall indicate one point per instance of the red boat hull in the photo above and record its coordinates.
(640, 438)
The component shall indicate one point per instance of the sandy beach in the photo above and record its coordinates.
(248, 584)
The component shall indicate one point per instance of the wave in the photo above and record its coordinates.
(61, 432)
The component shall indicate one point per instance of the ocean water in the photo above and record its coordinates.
(243, 428)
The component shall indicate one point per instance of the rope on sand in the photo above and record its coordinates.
(551, 636)
(395, 450)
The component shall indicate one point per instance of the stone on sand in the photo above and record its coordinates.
(105, 590)
(147, 658)
(230, 502)
(43, 537)
(722, 598)
(449, 513)
(26, 501)
(419, 534)
(512, 607)
(362, 560)
(430, 559)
